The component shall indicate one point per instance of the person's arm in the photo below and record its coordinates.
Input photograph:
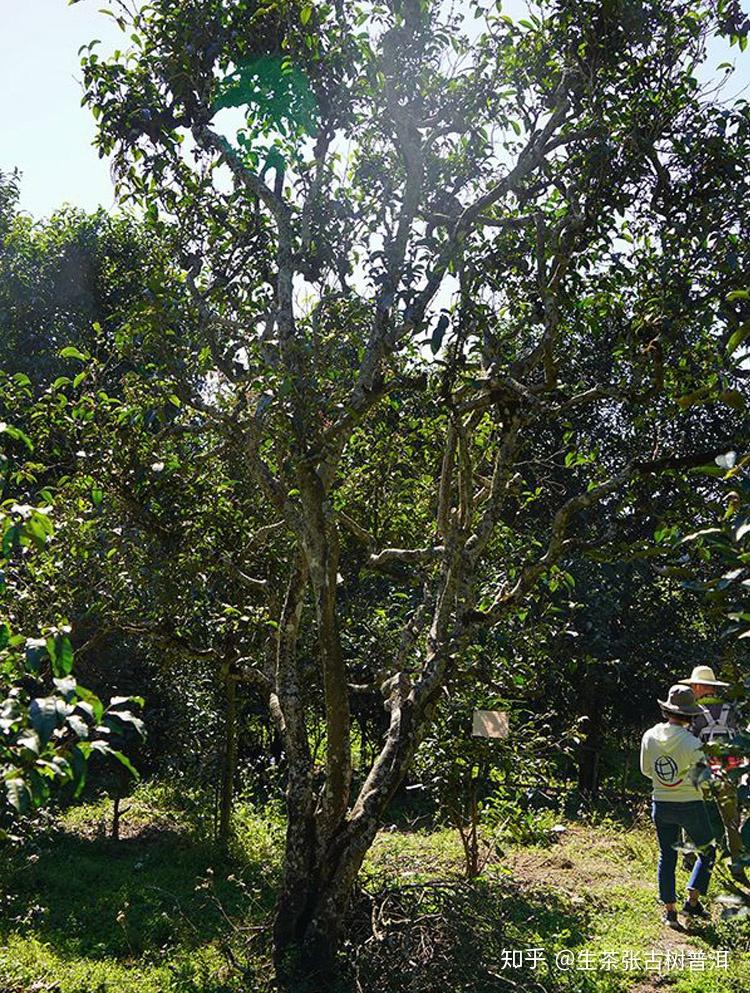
(645, 761)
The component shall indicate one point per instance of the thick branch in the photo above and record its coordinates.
(388, 556)
(573, 506)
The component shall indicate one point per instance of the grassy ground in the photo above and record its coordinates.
(608, 874)
(162, 911)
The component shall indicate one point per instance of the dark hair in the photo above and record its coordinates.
(681, 718)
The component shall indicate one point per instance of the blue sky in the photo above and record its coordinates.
(47, 134)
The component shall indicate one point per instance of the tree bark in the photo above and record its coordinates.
(230, 760)
(310, 920)
(323, 867)
(116, 817)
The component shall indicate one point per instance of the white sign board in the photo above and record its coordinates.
(490, 724)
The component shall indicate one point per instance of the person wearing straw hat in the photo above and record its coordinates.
(718, 720)
(669, 754)
(717, 723)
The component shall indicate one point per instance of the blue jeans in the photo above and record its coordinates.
(668, 818)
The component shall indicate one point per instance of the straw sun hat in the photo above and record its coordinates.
(703, 674)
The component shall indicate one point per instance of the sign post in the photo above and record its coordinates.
(490, 724)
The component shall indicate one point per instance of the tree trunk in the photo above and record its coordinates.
(322, 864)
(327, 836)
(590, 749)
(230, 760)
(588, 770)
(116, 817)
(310, 915)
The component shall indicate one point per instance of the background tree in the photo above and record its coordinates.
(49, 725)
(66, 281)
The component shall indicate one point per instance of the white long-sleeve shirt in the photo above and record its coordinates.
(668, 754)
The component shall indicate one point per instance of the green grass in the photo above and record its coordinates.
(28, 963)
(611, 872)
(144, 913)
(413, 856)
(164, 911)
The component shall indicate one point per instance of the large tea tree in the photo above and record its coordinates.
(463, 276)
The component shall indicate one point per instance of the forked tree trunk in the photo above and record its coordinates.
(312, 908)
(316, 896)
(320, 870)
(328, 836)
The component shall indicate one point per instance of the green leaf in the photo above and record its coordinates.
(16, 434)
(38, 528)
(62, 662)
(739, 337)
(46, 716)
(39, 787)
(124, 760)
(71, 352)
(120, 721)
(51, 649)
(78, 726)
(66, 686)
(77, 760)
(438, 333)
(30, 741)
(36, 649)
(93, 701)
(305, 14)
(19, 796)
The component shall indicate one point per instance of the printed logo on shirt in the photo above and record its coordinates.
(666, 770)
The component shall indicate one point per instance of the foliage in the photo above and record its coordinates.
(49, 725)
(65, 284)
(724, 545)
(157, 902)
(480, 785)
(47, 740)
(403, 387)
